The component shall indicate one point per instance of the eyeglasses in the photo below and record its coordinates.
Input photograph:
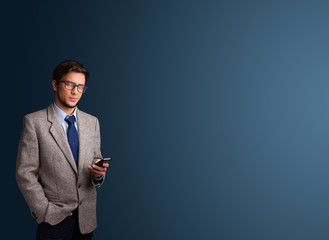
(70, 86)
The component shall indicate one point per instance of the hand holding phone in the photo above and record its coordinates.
(103, 160)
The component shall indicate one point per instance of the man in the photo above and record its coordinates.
(55, 168)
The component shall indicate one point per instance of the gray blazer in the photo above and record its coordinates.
(46, 173)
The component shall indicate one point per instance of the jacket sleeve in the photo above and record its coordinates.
(97, 153)
(27, 166)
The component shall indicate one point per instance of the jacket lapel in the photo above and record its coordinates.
(84, 136)
(57, 132)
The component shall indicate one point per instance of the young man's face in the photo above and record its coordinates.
(67, 99)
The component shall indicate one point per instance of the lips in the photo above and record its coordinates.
(73, 99)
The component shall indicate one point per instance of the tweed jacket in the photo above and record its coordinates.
(46, 173)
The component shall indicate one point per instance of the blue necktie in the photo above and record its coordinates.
(73, 137)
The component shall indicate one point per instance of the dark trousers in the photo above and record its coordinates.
(68, 229)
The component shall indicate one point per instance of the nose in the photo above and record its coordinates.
(75, 90)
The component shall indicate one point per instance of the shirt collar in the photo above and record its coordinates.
(62, 115)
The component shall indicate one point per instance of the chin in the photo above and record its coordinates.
(70, 105)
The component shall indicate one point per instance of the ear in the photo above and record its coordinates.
(54, 83)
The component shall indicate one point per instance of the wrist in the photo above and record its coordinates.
(98, 178)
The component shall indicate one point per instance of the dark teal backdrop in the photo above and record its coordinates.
(215, 112)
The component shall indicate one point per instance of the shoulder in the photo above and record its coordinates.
(35, 120)
(87, 121)
(86, 116)
(41, 114)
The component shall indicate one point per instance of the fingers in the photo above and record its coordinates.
(95, 172)
(105, 165)
(97, 160)
(104, 168)
(98, 171)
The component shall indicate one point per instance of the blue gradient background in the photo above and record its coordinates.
(215, 112)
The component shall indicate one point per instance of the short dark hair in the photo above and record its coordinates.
(67, 66)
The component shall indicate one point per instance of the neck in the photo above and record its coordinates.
(67, 110)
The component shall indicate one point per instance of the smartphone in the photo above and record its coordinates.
(103, 160)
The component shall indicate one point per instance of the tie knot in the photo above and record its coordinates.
(70, 119)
